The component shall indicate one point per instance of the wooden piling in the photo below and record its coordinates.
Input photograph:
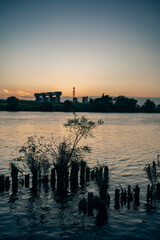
(83, 205)
(7, 183)
(87, 174)
(82, 173)
(101, 217)
(53, 178)
(1, 183)
(92, 175)
(116, 199)
(106, 175)
(90, 204)
(136, 195)
(103, 186)
(34, 181)
(26, 181)
(14, 174)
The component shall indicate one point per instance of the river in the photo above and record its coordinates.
(125, 142)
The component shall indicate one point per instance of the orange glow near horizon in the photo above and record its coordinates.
(51, 47)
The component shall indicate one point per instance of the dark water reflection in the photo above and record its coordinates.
(48, 216)
(126, 142)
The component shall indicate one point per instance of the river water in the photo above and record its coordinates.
(125, 142)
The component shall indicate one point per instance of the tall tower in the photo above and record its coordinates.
(74, 98)
(73, 92)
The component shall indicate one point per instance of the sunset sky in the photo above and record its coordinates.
(98, 46)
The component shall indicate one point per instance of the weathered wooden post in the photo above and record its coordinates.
(106, 175)
(82, 173)
(14, 174)
(74, 175)
(53, 178)
(87, 174)
(136, 195)
(90, 204)
(123, 196)
(83, 205)
(7, 183)
(92, 175)
(26, 181)
(103, 189)
(62, 171)
(101, 217)
(34, 181)
(45, 183)
(116, 199)
(1, 183)
(101, 173)
(66, 178)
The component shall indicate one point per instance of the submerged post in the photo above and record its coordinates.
(1, 183)
(53, 178)
(136, 195)
(117, 199)
(34, 181)
(82, 173)
(26, 181)
(106, 176)
(101, 217)
(87, 174)
(14, 174)
(90, 204)
(92, 175)
(7, 183)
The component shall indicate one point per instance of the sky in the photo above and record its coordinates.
(96, 46)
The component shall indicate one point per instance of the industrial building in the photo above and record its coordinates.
(85, 99)
(48, 97)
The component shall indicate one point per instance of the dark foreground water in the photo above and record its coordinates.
(126, 142)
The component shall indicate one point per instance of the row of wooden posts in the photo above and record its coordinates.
(59, 178)
(60, 182)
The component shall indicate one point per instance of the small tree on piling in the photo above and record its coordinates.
(68, 153)
(153, 176)
(152, 173)
(35, 157)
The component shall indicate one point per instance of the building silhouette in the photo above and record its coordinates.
(48, 97)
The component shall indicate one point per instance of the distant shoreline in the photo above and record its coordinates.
(104, 104)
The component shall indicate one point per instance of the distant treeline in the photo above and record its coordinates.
(105, 103)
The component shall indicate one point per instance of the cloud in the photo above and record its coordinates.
(5, 93)
(21, 93)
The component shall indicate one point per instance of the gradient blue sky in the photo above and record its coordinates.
(98, 46)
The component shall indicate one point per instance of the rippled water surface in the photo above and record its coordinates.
(126, 142)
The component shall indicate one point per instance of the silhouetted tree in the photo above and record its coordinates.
(34, 156)
(69, 152)
(124, 104)
(68, 106)
(158, 107)
(103, 104)
(148, 106)
(12, 103)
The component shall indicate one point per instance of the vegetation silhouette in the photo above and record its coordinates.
(38, 154)
(105, 103)
(12, 103)
(149, 106)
